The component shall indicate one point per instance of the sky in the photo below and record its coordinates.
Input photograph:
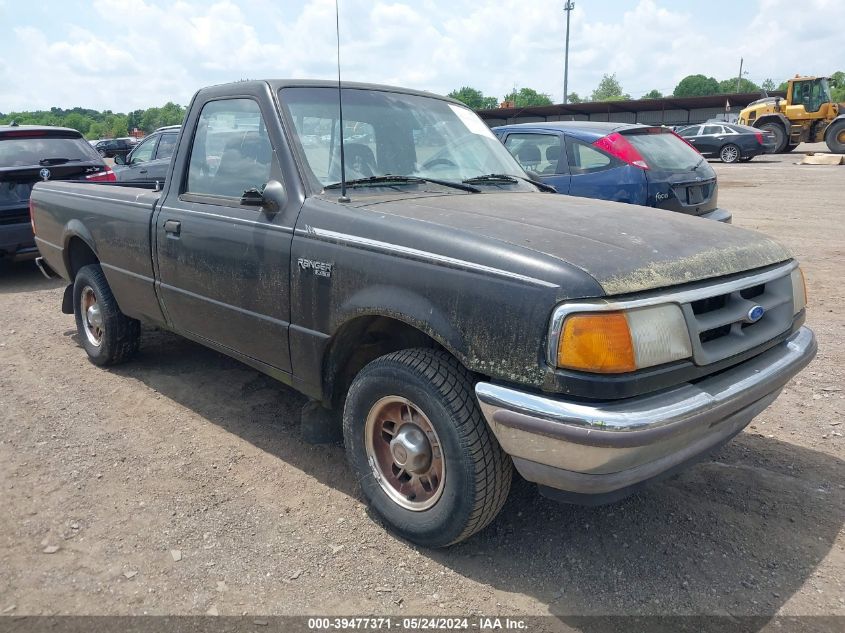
(128, 54)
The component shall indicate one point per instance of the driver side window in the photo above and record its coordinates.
(232, 151)
(144, 151)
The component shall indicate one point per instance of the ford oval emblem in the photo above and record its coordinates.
(755, 314)
(45, 174)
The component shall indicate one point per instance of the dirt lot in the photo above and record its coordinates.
(185, 449)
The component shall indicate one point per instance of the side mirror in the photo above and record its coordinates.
(273, 198)
(120, 159)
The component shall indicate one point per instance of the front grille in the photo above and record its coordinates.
(719, 326)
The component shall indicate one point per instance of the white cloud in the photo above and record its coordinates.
(126, 55)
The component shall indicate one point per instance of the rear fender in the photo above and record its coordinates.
(73, 229)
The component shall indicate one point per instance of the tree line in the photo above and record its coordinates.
(610, 89)
(94, 124)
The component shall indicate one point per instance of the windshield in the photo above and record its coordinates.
(394, 133)
(663, 150)
(27, 151)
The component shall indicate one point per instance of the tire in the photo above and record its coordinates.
(780, 135)
(730, 153)
(433, 391)
(108, 336)
(835, 137)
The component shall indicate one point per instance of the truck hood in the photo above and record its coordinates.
(625, 248)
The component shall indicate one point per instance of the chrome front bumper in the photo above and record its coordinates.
(599, 448)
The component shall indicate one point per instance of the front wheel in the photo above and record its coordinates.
(836, 137)
(425, 458)
(730, 154)
(108, 336)
(780, 136)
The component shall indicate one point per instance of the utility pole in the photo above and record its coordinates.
(739, 76)
(568, 6)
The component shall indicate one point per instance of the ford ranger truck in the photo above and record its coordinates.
(459, 321)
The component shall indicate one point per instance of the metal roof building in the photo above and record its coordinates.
(666, 111)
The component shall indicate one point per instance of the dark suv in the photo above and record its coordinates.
(29, 154)
(150, 159)
(114, 147)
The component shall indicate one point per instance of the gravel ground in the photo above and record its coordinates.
(178, 483)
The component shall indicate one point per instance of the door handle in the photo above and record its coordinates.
(174, 227)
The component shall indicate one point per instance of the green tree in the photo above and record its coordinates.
(745, 85)
(474, 98)
(837, 86)
(609, 89)
(574, 98)
(696, 86)
(78, 122)
(768, 85)
(526, 97)
(653, 94)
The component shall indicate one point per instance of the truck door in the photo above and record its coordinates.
(540, 152)
(223, 262)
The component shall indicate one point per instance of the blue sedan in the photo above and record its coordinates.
(638, 164)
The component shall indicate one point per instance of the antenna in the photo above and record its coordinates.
(343, 196)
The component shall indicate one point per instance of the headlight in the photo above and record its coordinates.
(799, 291)
(621, 341)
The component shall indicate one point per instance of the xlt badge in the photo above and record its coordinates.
(321, 269)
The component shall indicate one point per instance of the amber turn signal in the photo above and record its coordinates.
(597, 342)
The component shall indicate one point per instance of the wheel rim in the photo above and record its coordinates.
(841, 136)
(405, 453)
(92, 316)
(729, 154)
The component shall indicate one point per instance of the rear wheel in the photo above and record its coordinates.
(730, 153)
(425, 458)
(108, 336)
(780, 136)
(835, 137)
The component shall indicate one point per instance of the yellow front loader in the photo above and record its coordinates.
(807, 115)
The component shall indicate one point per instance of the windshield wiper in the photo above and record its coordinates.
(508, 178)
(389, 179)
(58, 161)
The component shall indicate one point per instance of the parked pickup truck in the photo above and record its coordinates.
(462, 320)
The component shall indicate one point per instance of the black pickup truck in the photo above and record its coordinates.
(461, 320)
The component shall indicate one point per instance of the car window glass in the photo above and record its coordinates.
(166, 146)
(17, 151)
(392, 133)
(319, 136)
(688, 132)
(231, 151)
(535, 151)
(584, 158)
(712, 129)
(144, 152)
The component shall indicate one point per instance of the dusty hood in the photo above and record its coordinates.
(626, 248)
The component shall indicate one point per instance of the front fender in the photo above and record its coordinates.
(408, 307)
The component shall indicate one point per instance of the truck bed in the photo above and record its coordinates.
(114, 218)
